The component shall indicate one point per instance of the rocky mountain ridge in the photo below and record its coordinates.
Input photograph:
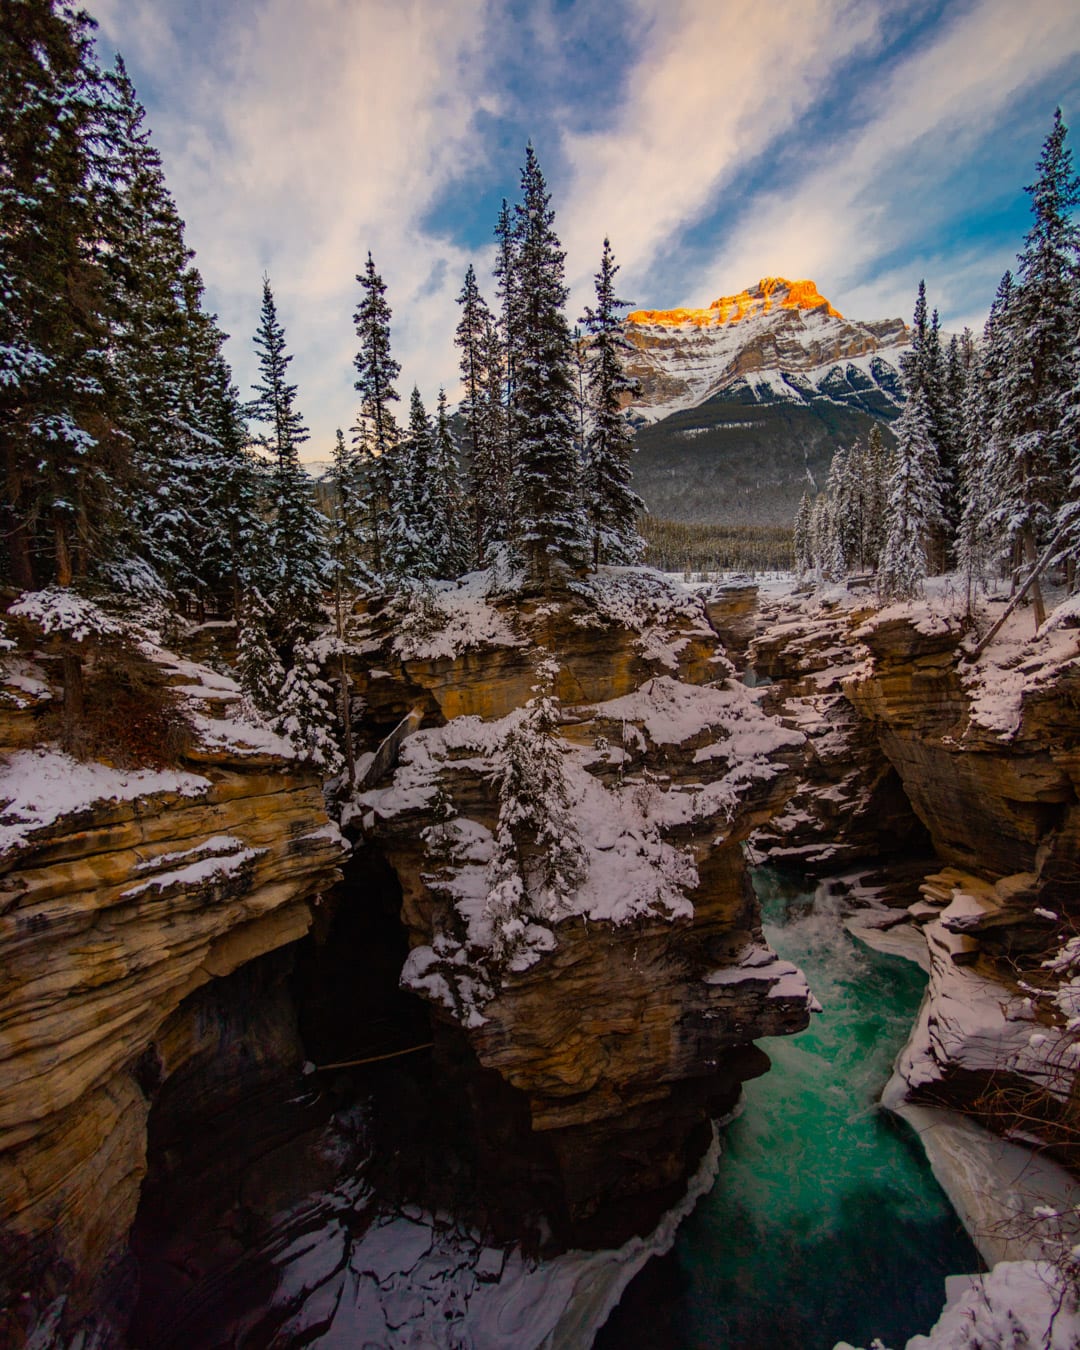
(741, 404)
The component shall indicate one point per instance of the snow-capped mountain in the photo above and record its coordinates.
(743, 402)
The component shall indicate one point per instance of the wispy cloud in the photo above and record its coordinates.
(318, 132)
(885, 188)
(713, 140)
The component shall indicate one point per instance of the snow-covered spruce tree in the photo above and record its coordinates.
(451, 542)
(471, 338)
(538, 859)
(914, 504)
(821, 537)
(258, 667)
(376, 433)
(411, 525)
(346, 573)
(611, 505)
(495, 489)
(551, 524)
(508, 334)
(976, 538)
(236, 551)
(161, 347)
(844, 490)
(304, 712)
(878, 471)
(802, 541)
(61, 461)
(297, 540)
(1030, 454)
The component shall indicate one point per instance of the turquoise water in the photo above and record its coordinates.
(825, 1222)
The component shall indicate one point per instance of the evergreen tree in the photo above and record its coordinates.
(347, 572)
(878, 473)
(492, 479)
(1036, 377)
(297, 532)
(507, 340)
(914, 504)
(376, 432)
(611, 505)
(538, 858)
(61, 461)
(451, 545)
(976, 544)
(258, 667)
(472, 340)
(305, 716)
(551, 523)
(803, 540)
(411, 544)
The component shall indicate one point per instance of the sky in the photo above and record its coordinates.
(863, 144)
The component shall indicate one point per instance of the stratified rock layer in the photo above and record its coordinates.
(632, 1014)
(121, 893)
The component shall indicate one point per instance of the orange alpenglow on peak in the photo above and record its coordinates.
(759, 299)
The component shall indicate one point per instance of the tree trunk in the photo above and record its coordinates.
(64, 571)
(73, 696)
(1032, 558)
(346, 711)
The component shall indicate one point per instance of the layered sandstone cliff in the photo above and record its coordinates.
(623, 1012)
(122, 892)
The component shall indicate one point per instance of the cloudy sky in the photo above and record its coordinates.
(860, 143)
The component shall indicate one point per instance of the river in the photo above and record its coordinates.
(825, 1222)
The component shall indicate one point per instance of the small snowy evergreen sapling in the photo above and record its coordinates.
(305, 714)
(258, 667)
(914, 504)
(539, 859)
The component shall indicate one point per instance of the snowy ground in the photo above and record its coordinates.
(412, 1279)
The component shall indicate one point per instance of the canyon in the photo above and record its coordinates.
(179, 940)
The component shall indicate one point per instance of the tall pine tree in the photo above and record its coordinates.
(297, 531)
(913, 510)
(1030, 451)
(611, 505)
(376, 432)
(551, 525)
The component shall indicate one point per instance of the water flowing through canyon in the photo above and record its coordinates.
(825, 1222)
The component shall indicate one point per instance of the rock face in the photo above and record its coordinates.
(986, 753)
(122, 892)
(785, 333)
(624, 1013)
(850, 804)
(997, 799)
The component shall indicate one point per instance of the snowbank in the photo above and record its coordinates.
(1019, 1303)
(39, 787)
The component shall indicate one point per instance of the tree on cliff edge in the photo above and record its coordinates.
(376, 432)
(297, 531)
(611, 504)
(551, 524)
(914, 509)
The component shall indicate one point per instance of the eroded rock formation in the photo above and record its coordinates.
(122, 892)
(625, 1014)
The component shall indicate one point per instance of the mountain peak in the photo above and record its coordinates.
(769, 293)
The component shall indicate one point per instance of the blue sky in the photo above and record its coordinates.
(860, 143)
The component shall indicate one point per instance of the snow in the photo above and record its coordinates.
(414, 1279)
(648, 603)
(221, 864)
(1012, 1306)
(62, 611)
(41, 786)
(448, 618)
